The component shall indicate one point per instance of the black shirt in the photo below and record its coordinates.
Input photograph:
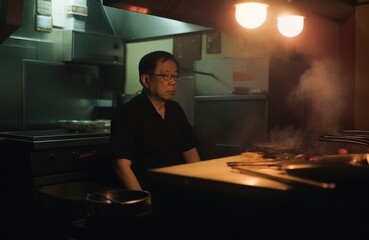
(140, 134)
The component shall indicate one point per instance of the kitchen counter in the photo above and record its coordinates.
(231, 97)
(43, 139)
(228, 204)
(217, 175)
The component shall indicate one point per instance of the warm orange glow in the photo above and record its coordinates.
(251, 14)
(138, 9)
(131, 8)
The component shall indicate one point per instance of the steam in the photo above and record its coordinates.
(321, 87)
(287, 138)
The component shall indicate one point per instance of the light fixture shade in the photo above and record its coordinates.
(251, 14)
(290, 25)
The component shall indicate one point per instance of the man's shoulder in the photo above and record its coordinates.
(133, 103)
(130, 107)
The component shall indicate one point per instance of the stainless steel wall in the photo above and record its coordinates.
(53, 91)
(11, 89)
(46, 47)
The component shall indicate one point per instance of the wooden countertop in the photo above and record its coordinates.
(214, 174)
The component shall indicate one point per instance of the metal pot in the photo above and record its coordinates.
(118, 214)
(119, 204)
(66, 201)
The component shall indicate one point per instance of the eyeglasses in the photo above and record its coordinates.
(166, 77)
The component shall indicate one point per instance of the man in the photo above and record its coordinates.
(151, 130)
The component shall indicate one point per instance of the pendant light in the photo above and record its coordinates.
(290, 25)
(251, 14)
(290, 22)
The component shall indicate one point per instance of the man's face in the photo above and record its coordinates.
(163, 88)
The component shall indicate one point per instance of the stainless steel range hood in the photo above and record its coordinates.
(103, 20)
(207, 13)
(132, 26)
(220, 13)
(108, 28)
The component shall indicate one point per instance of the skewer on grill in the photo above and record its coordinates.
(344, 139)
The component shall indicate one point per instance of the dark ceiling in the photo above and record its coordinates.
(220, 13)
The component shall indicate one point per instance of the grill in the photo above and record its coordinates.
(317, 162)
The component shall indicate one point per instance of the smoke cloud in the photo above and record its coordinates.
(321, 86)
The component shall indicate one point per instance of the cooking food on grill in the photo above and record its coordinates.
(342, 151)
(251, 156)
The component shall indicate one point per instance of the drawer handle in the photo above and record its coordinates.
(87, 154)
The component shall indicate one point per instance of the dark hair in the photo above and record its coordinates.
(149, 61)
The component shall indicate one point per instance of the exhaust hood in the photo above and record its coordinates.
(130, 25)
(133, 26)
(220, 13)
(107, 29)
(207, 13)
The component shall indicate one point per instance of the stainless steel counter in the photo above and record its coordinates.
(44, 139)
(231, 97)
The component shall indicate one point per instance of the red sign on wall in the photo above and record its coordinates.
(243, 76)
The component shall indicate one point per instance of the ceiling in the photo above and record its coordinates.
(220, 13)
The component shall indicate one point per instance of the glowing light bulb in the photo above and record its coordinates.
(251, 14)
(290, 26)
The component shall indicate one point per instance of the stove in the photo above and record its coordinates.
(43, 139)
(57, 156)
(42, 165)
